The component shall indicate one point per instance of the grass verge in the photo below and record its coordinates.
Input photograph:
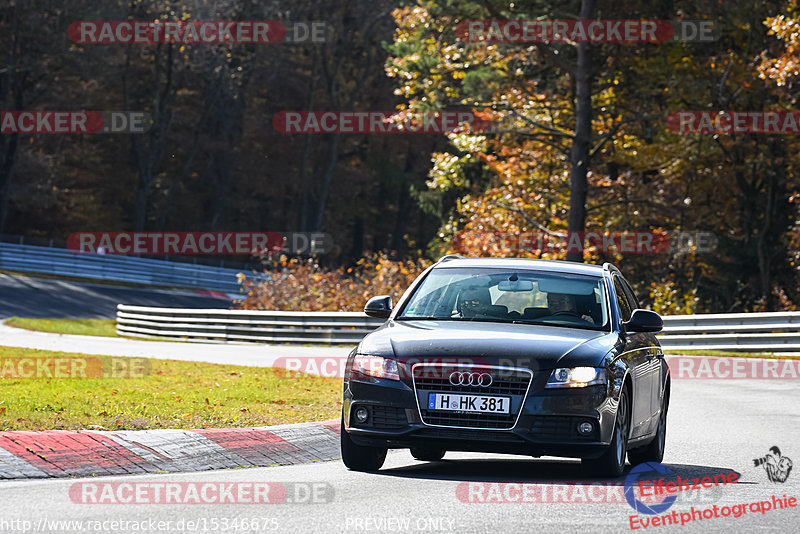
(171, 394)
(86, 327)
(94, 327)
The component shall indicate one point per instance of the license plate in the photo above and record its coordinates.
(468, 403)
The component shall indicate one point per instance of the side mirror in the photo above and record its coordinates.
(380, 307)
(644, 321)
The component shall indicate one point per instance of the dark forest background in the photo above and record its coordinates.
(213, 161)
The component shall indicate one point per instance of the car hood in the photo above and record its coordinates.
(532, 346)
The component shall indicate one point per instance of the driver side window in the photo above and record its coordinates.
(624, 305)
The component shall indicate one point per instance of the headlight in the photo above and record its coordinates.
(576, 377)
(376, 366)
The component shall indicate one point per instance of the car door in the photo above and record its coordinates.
(637, 355)
(656, 371)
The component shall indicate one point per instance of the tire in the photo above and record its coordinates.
(612, 462)
(358, 457)
(427, 454)
(653, 451)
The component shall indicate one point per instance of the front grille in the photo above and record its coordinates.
(470, 420)
(431, 378)
(505, 383)
(383, 418)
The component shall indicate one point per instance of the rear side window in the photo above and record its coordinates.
(634, 302)
(622, 300)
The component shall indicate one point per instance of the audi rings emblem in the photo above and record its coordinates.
(483, 380)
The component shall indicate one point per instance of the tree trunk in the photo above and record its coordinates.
(304, 222)
(578, 186)
(403, 201)
(11, 85)
(148, 160)
(326, 182)
(6, 171)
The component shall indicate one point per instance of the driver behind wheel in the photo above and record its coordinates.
(564, 304)
(474, 302)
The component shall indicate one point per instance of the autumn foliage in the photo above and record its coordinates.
(296, 284)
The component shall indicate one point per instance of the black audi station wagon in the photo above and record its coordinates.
(513, 356)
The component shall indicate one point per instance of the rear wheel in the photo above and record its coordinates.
(653, 451)
(427, 454)
(612, 462)
(359, 457)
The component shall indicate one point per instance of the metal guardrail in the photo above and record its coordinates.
(209, 326)
(771, 331)
(35, 259)
(736, 332)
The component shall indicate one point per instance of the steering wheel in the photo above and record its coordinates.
(565, 317)
(565, 312)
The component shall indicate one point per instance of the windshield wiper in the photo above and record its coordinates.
(423, 318)
(563, 325)
(483, 319)
(470, 319)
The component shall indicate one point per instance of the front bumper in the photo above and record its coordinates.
(547, 421)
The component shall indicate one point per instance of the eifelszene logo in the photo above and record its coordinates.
(777, 467)
(630, 485)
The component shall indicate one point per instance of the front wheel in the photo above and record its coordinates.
(359, 457)
(612, 462)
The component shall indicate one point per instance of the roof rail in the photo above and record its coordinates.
(450, 257)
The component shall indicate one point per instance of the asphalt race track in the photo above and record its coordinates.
(223, 353)
(24, 296)
(715, 426)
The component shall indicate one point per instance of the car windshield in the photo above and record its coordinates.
(510, 296)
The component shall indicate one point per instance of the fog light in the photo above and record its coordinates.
(361, 414)
(585, 428)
